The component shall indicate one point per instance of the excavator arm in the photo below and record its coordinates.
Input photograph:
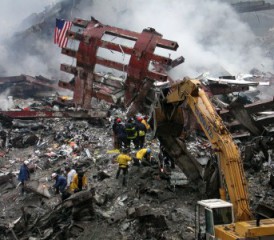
(231, 168)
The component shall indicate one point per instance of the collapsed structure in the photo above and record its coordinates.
(139, 90)
(137, 85)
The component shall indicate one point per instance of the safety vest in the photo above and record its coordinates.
(131, 131)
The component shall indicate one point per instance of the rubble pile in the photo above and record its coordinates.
(157, 201)
(153, 205)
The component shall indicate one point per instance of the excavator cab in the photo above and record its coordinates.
(209, 213)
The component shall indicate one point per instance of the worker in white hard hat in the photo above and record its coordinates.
(60, 183)
(24, 175)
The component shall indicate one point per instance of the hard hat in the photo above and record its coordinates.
(54, 175)
(26, 162)
(139, 118)
(148, 150)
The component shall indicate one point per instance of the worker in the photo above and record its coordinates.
(70, 174)
(121, 134)
(79, 182)
(142, 130)
(164, 159)
(24, 175)
(123, 159)
(144, 121)
(132, 134)
(60, 183)
(143, 156)
(115, 133)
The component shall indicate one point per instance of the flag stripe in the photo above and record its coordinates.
(63, 40)
(60, 32)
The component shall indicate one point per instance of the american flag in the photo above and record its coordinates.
(60, 32)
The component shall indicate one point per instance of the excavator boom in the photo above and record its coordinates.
(191, 93)
(222, 143)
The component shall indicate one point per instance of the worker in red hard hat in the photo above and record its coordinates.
(139, 118)
(131, 133)
(144, 121)
(119, 133)
(141, 132)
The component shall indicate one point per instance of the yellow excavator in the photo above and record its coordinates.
(218, 218)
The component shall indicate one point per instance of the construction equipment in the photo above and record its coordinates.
(218, 217)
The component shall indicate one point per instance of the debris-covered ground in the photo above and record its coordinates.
(148, 207)
(151, 206)
(154, 204)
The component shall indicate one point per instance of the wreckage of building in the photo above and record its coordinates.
(150, 207)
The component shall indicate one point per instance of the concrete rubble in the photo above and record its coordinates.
(52, 132)
(152, 206)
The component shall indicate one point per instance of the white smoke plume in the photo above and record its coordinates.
(210, 34)
(6, 100)
(12, 13)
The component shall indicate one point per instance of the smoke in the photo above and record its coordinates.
(21, 44)
(6, 100)
(12, 13)
(210, 35)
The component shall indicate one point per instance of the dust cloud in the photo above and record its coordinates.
(210, 34)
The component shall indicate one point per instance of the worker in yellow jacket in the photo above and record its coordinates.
(144, 121)
(79, 182)
(123, 159)
(143, 156)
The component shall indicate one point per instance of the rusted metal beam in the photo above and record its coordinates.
(80, 22)
(137, 70)
(115, 47)
(54, 114)
(111, 64)
(69, 52)
(66, 85)
(69, 69)
(77, 36)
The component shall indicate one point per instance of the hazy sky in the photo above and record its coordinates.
(209, 33)
(14, 11)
